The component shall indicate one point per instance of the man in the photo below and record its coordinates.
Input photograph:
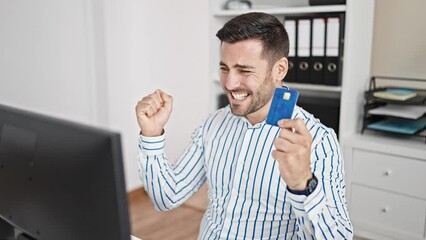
(265, 182)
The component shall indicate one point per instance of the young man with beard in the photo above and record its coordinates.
(265, 182)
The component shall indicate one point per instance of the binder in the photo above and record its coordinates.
(316, 48)
(318, 51)
(290, 26)
(303, 50)
(333, 51)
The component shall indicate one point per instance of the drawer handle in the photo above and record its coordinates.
(388, 173)
(385, 209)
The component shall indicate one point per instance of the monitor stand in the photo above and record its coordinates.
(23, 236)
(8, 232)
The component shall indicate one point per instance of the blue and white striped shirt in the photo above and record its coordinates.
(247, 196)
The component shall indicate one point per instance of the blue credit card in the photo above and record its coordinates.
(282, 105)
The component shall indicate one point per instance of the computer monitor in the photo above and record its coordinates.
(60, 180)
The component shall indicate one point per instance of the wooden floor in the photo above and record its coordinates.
(180, 223)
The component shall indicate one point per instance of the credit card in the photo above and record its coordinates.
(282, 105)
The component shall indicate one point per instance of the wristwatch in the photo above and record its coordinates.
(310, 188)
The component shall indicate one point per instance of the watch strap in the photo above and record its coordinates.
(310, 187)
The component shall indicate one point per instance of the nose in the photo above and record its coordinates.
(231, 81)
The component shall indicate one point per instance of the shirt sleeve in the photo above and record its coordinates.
(323, 214)
(169, 185)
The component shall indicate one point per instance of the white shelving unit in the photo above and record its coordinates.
(314, 87)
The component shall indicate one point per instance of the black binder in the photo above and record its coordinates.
(290, 25)
(303, 50)
(334, 50)
(318, 50)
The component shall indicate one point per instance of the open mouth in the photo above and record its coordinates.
(240, 96)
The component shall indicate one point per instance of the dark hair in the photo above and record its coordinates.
(257, 25)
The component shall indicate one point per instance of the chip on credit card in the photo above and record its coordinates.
(282, 105)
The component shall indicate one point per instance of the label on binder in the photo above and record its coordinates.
(282, 105)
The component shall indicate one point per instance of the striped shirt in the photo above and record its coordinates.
(247, 195)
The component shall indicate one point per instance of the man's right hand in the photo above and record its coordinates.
(152, 113)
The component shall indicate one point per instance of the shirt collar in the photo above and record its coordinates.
(250, 126)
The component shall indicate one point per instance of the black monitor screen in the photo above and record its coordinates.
(60, 180)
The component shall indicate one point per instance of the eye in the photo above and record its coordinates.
(244, 71)
(224, 69)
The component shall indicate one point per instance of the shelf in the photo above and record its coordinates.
(283, 10)
(417, 100)
(315, 87)
(396, 83)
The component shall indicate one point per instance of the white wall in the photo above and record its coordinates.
(399, 43)
(91, 60)
(46, 62)
(150, 45)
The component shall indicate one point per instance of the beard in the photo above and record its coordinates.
(259, 98)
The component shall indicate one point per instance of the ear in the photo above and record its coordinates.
(280, 69)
